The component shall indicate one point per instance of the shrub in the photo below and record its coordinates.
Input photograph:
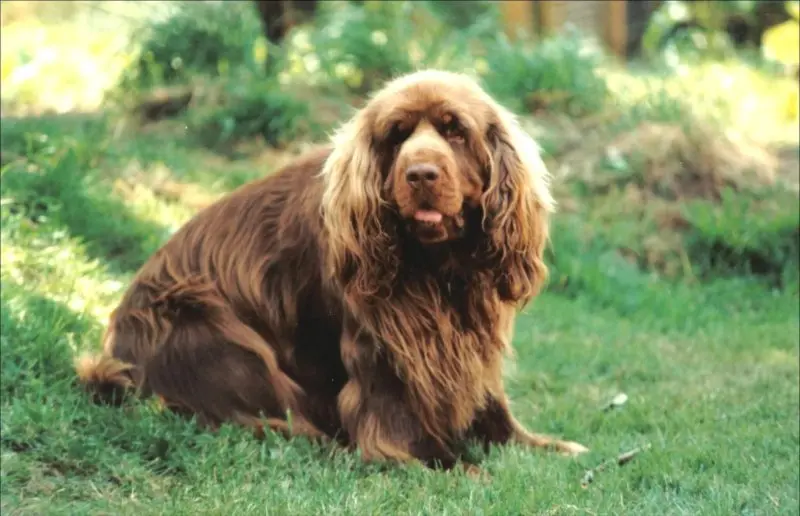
(215, 53)
(461, 14)
(558, 73)
(361, 46)
(371, 41)
(746, 234)
(206, 38)
(247, 106)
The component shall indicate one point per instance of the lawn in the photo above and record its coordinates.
(710, 365)
(711, 373)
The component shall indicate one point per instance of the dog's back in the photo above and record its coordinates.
(211, 320)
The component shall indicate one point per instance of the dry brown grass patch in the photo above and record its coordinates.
(674, 161)
(635, 185)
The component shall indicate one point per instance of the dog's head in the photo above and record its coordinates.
(433, 170)
(431, 154)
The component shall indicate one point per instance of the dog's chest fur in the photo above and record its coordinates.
(446, 353)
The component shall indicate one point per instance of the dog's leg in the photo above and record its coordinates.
(218, 368)
(383, 429)
(496, 425)
(374, 413)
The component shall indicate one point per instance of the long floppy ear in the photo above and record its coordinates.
(359, 254)
(517, 205)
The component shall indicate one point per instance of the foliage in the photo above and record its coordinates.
(673, 198)
(352, 48)
(681, 31)
(462, 14)
(747, 234)
(559, 73)
(248, 106)
(206, 38)
(372, 41)
(646, 139)
(363, 46)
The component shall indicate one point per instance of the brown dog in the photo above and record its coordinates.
(369, 288)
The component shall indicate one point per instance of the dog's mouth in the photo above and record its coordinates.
(428, 217)
(432, 226)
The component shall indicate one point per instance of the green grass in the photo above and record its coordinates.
(711, 370)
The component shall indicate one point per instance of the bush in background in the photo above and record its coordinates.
(196, 38)
(559, 74)
(216, 50)
(362, 46)
(248, 106)
(747, 234)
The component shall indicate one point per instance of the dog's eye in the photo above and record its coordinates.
(451, 129)
(397, 134)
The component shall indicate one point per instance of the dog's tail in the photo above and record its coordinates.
(106, 378)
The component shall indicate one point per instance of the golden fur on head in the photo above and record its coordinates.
(369, 288)
(515, 198)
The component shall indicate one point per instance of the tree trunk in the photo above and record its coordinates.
(279, 16)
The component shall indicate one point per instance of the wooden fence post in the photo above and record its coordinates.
(517, 17)
(549, 16)
(616, 29)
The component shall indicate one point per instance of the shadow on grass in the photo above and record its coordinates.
(48, 174)
(35, 340)
(39, 391)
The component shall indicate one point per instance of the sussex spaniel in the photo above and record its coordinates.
(368, 289)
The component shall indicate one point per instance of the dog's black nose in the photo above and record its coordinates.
(422, 174)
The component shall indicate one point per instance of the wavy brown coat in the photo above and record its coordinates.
(310, 292)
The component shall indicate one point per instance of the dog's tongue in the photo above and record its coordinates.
(428, 216)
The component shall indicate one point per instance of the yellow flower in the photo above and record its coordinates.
(379, 38)
(782, 43)
(301, 41)
(792, 105)
(343, 70)
(355, 79)
(8, 64)
(260, 51)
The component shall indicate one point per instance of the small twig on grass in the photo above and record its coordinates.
(620, 460)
